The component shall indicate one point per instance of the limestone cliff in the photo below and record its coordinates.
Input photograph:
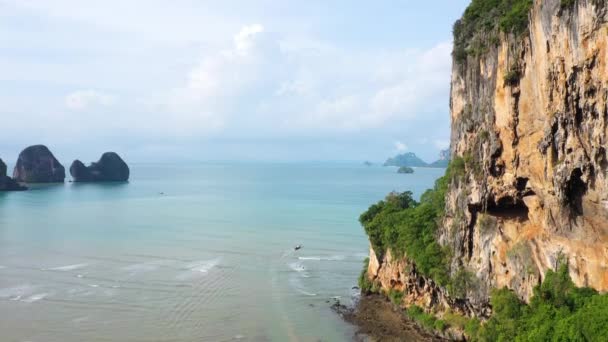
(530, 122)
(109, 168)
(6, 182)
(36, 164)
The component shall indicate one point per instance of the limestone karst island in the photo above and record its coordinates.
(304, 171)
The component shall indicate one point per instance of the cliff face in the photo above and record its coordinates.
(530, 120)
(6, 182)
(109, 168)
(36, 164)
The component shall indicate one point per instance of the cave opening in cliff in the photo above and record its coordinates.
(508, 208)
(575, 190)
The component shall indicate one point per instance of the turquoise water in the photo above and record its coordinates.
(211, 259)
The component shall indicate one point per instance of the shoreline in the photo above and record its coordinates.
(377, 319)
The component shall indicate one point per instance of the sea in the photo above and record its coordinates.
(191, 252)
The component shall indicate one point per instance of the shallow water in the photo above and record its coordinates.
(211, 259)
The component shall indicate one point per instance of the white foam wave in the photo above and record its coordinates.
(198, 268)
(296, 284)
(319, 258)
(16, 292)
(296, 266)
(139, 268)
(203, 266)
(68, 267)
(35, 297)
(306, 293)
(80, 319)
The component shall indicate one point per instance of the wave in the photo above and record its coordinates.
(319, 258)
(143, 267)
(296, 266)
(80, 319)
(296, 284)
(16, 292)
(310, 294)
(67, 267)
(35, 297)
(198, 268)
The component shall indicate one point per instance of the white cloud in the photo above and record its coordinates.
(259, 82)
(85, 99)
(202, 77)
(401, 147)
(245, 39)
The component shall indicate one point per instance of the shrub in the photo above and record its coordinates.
(365, 284)
(395, 296)
(512, 77)
(522, 253)
(409, 227)
(461, 283)
(567, 4)
(472, 326)
(486, 223)
(484, 135)
(426, 320)
(558, 311)
(456, 169)
(481, 22)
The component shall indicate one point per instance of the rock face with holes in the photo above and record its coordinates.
(535, 187)
(109, 168)
(36, 164)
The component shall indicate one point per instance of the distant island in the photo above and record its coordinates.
(405, 169)
(367, 163)
(410, 159)
(443, 161)
(37, 164)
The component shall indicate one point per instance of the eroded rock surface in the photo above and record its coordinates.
(6, 182)
(36, 164)
(109, 168)
(535, 188)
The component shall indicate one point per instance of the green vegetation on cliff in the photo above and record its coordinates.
(409, 227)
(558, 311)
(483, 20)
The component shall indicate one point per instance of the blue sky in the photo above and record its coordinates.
(226, 80)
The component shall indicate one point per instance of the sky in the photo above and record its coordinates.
(195, 80)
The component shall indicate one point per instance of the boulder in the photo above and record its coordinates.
(109, 168)
(36, 164)
(6, 182)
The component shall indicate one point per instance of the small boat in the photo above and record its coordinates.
(297, 248)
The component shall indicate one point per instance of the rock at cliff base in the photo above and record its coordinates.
(6, 182)
(36, 164)
(109, 168)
